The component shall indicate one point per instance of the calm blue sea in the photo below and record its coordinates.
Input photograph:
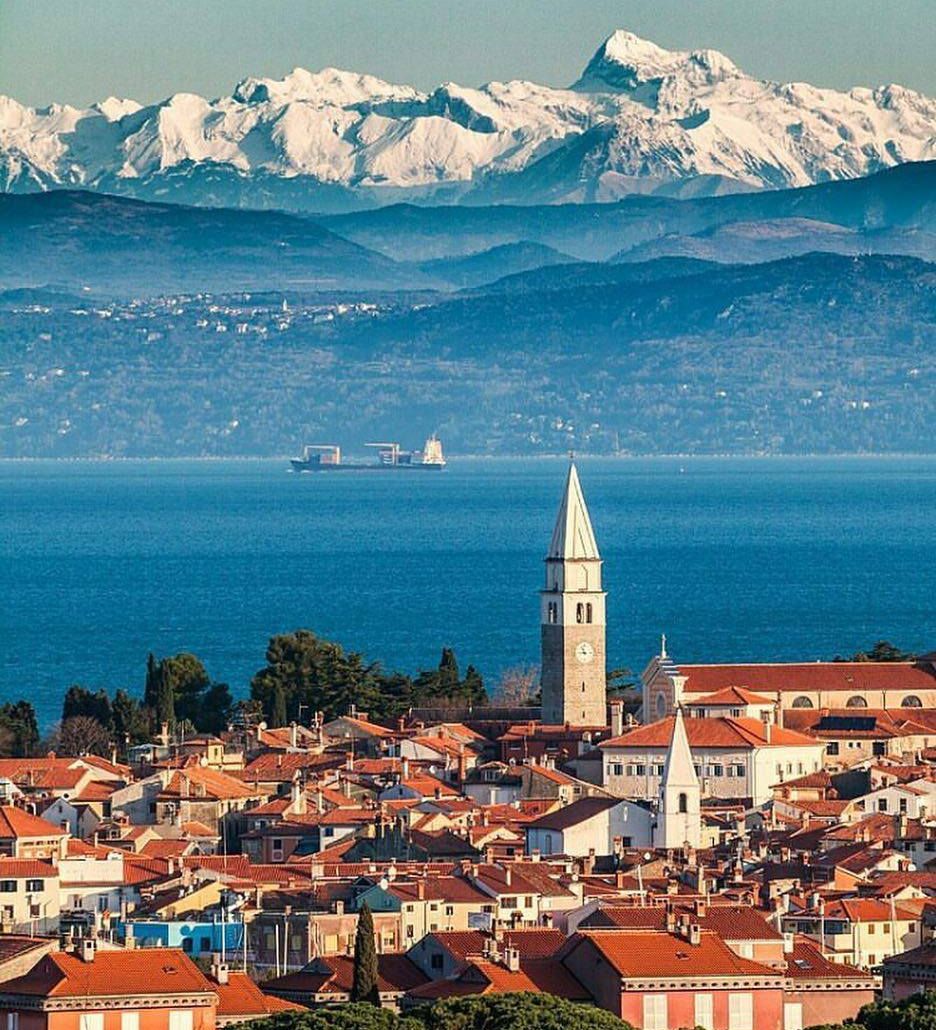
(734, 559)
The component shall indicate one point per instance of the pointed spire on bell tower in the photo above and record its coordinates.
(679, 821)
(573, 536)
(572, 618)
(679, 769)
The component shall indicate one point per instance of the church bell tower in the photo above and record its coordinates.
(572, 616)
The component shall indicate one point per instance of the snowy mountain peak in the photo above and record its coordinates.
(641, 118)
(115, 108)
(625, 61)
(330, 86)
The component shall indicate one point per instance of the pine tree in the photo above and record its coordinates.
(165, 696)
(448, 672)
(472, 687)
(364, 984)
(278, 707)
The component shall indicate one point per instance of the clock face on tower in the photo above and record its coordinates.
(584, 653)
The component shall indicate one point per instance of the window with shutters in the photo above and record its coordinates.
(180, 1019)
(91, 1021)
(129, 1021)
(740, 1012)
(654, 1012)
(704, 1011)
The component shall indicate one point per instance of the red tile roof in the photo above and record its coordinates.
(730, 922)
(334, 974)
(806, 962)
(546, 976)
(23, 869)
(197, 782)
(532, 944)
(63, 975)
(713, 732)
(732, 696)
(240, 996)
(649, 953)
(15, 823)
(810, 676)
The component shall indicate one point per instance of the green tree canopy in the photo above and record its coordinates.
(883, 651)
(80, 701)
(517, 1011)
(318, 675)
(19, 730)
(179, 689)
(353, 1016)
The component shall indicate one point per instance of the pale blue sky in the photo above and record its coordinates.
(83, 50)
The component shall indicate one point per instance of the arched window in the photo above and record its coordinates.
(588, 612)
(801, 702)
(856, 701)
(683, 804)
(911, 701)
(579, 612)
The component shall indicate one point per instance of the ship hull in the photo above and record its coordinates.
(310, 466)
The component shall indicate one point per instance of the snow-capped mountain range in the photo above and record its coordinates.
(639, 119)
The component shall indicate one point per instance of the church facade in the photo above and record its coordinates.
(572, 617)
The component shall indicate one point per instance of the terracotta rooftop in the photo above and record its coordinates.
(730, 922)
(732, 696)
(61, 974)
(15, 823)
(810, 676)
(655, 953)
(334, 974)
(543, 976)
(712, 732)
(240, 996)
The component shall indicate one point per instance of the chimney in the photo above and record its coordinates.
(508, 876)
(219, 970)
(619, 879)
(588, 863)
(421, 890)
(617, 718)
(339, 908)
(512, 958)
(788, 944)
(535, 855)
(700, 908)
(86, 949)
(404, 769)
(695, 934)
(293, 735)
(670, 920)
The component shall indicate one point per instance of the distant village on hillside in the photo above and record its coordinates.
(724, 847)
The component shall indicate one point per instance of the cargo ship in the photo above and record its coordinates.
(326, 457)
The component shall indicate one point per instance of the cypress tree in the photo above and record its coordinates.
(278, 707)
(151, 688)
(165, 696)
(364, 985)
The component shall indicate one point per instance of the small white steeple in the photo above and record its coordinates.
(679, 819)
(573, 536)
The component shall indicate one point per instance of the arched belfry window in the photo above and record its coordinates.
(683, 804)
(588, 612)
(580, 612)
